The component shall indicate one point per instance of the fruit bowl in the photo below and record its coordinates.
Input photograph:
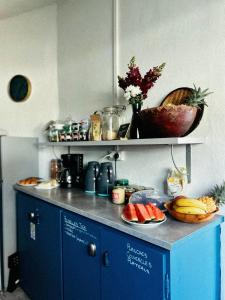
(188, 218)
(166, 121)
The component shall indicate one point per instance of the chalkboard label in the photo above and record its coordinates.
(123, 130)
(138, 259)
(77, 231)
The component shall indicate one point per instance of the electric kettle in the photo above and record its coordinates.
(105, 180)
(91, 176)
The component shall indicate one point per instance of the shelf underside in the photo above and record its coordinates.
(137, 142)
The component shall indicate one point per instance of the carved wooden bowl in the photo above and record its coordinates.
(166, 121)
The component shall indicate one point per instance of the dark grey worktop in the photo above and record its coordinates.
(166, 235)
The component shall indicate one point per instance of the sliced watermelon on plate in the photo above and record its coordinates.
(129, 213)
(142, 213)
(159, 215)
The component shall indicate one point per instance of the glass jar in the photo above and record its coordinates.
(110, 123)
(55, 169)
(121, 111)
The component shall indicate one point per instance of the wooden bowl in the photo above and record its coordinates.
(166, 121)
(177, 97)
(187, 218)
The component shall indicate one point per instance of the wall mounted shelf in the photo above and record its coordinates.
(186, 141)
(135, 142)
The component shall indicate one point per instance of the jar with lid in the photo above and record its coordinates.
(118, 194)
(110, 123)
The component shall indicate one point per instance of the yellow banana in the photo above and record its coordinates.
(186, 202)
(189, 210)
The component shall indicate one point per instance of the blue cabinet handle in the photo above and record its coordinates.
(34, 218)
(106, 259)
(92, 249)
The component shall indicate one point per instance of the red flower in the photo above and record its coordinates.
(133, 77)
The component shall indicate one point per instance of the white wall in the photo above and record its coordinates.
(188, 36)
(84, 56)
(29, 47)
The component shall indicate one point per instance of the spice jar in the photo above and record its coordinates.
(128, 192)
(118, 195)
(110, 123)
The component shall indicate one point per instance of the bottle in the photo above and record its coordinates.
(55, 169)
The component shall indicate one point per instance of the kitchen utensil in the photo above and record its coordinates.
(91, 176)
(105, 179)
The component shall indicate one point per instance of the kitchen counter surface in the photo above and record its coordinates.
(166, 235)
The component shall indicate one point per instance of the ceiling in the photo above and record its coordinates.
(10, 8)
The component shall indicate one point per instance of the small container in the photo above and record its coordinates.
(55, 169)
(128, 192)
(122, 182)
(118, 195)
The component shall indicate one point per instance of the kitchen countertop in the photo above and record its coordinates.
(166, 235)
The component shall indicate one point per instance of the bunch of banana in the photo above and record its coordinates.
(190, 206)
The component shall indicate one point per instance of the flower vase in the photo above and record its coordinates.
(134, 132)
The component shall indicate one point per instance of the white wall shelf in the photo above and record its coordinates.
(134, 142)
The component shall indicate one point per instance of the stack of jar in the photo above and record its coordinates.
(122, 191)
(68, 131)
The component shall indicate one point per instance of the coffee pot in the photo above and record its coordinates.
(91, 176)
(105, 180)
(65, 178)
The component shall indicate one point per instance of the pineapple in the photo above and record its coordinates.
(197, 97)
(209, 202)
(218, 194)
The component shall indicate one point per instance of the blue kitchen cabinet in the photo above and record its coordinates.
(125, 267)
(100, 263)
(81, 258)
(39, 246)
(132, 269)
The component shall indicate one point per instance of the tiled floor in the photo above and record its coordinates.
(18, 294)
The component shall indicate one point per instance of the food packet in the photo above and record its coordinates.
(176, 182)
(95, 130)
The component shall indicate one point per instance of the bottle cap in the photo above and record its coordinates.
(122, 182)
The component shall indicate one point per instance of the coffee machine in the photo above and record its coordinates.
(72, 171)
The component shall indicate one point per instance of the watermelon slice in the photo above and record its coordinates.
(142, 213)
(150, 211)
(129, 213)
(159, 215)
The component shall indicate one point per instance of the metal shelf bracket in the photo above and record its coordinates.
(188, 162)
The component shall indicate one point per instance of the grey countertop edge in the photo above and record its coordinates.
(118, 224)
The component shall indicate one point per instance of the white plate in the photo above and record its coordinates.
(31, 184)
(140, 225)
(46, 188)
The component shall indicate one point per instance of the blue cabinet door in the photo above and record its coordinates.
(81, 258)
(39, 246)
(132, 269)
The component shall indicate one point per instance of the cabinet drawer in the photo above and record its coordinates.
(134, 269)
